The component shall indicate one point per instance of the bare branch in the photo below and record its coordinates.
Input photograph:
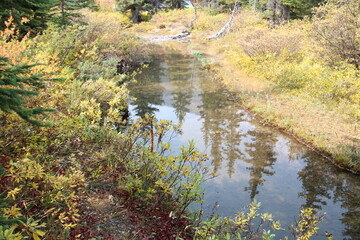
(227, 27)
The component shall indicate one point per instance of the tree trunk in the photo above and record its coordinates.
(278, 13)
(135, 14)
(156, 5)
(192, 26)
(62, 8)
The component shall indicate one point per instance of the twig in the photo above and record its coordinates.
(70, 47)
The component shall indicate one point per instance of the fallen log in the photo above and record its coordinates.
(227, 27)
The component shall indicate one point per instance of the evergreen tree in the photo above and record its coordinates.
(301, 8)
(279, 11)
(175, 3)
(37, 12)
(65, 11)
(15, 80)
(136, 6)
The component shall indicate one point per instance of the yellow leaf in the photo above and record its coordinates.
(35, 236)
(13, 192)
(40, 233)
(13, 212)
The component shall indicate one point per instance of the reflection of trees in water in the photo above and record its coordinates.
(323, 181)
(180, 72)
(148, 92)
(213, 125)
(316, 184)
(222, 131)
(181, 101)
(221, 128)
(233, 137)
(261, 159)
(349, 193)
(351, 201)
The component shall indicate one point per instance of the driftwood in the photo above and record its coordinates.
(184, 34)
(226, 28)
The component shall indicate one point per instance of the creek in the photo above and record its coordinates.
(252, 161)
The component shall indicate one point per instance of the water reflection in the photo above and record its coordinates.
(220, 133)
(181, 94)
(261, 159)
(253, 161)
(332, 186)
(148, 95)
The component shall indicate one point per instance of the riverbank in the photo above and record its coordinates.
(320, 127)
(284, 83)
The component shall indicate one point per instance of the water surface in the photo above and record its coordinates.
(252, 161)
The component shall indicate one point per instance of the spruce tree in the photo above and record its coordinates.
(17, 83)
(136, 6)
(36, 11)
(301, 8)
(65, 11)
(175, 3)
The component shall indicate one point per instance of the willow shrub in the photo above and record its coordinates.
(207, 22)
(100, 101)
(47, 169)
(152, 171)
(290, 58)
(335, 29)
(98, 41)
(166, 21)
(172, 17)
(251, 224)
(241, 226)
(106, 31)
(261, 41)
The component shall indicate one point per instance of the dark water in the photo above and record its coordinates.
(252, 161)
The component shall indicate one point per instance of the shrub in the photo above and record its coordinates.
(241, 226)
(98, 102)
(248, 18)
(210, 23)
(152, 171)
(251, 225)
(257, 42)
(336, 84)
(94, 70)
(336, 30)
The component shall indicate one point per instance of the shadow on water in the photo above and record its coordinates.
(252, 161)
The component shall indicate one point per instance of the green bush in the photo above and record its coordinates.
(151, 171)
